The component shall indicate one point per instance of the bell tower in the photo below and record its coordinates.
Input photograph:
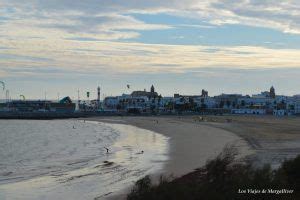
(152, 90)
(272, 92)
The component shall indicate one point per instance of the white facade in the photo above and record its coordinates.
(249, 111)
(209, 102)
(110, 103)
(181, 100)
(297, 107)
(139, 103)
(257, 104)
(247, 101)
(293, 104)
(166, 100)
(265, 94)
(279, 112)
(281, 99)
(166, 104)
(126, 102)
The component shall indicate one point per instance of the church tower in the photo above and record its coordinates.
(272, 92)
(152, 90)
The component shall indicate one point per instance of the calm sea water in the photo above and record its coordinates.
(66, 159)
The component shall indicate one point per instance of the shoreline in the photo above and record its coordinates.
(191, 144)
(75, 160)
(194, 140)
(270, 139)
(260, 139)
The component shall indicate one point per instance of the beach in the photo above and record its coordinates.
(196, 139)
(191, 143)
(273, 139)
(265, 139)
(139, 145)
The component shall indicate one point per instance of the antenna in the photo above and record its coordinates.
(98, 96)
(78, 97)
(98, 93)
(7, 95)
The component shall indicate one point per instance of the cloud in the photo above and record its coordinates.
(103, 23)
(42, 33)
(61, 19)
(280, 15)
(107, 57)
(195, 26)
(101, 15)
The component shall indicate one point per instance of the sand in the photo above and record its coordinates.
(191, 143)
(273, 139)
(195, 139)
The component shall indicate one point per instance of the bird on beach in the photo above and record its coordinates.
(141, 152)
(107, 150)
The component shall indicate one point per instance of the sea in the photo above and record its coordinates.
(68, 159)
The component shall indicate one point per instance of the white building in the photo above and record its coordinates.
(249, 111)
(110, 103)
(279, 112)
(181, 100)
(140, 104)
(206, 102)
(296, 106)
(293, 105)
(247, 102)
(265, 94)
(281, 98)
(166, 104)
(126, 103)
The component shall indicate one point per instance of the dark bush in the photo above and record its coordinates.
(224, 178)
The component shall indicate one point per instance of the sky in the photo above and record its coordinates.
(54, 48)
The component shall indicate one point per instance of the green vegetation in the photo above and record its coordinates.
(224, 178)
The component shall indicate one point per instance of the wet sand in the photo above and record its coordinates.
(195, 139)
(192, 140)
(191, 143)
(271, 139)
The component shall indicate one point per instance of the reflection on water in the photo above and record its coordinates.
(133, 154)
(139, 147)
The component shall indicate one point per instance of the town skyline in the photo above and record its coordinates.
(128, 90)
(223, 46)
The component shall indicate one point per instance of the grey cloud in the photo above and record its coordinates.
(98, 16)
(102, 18)
(82, 39)
(283, 15)
(23, 58)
